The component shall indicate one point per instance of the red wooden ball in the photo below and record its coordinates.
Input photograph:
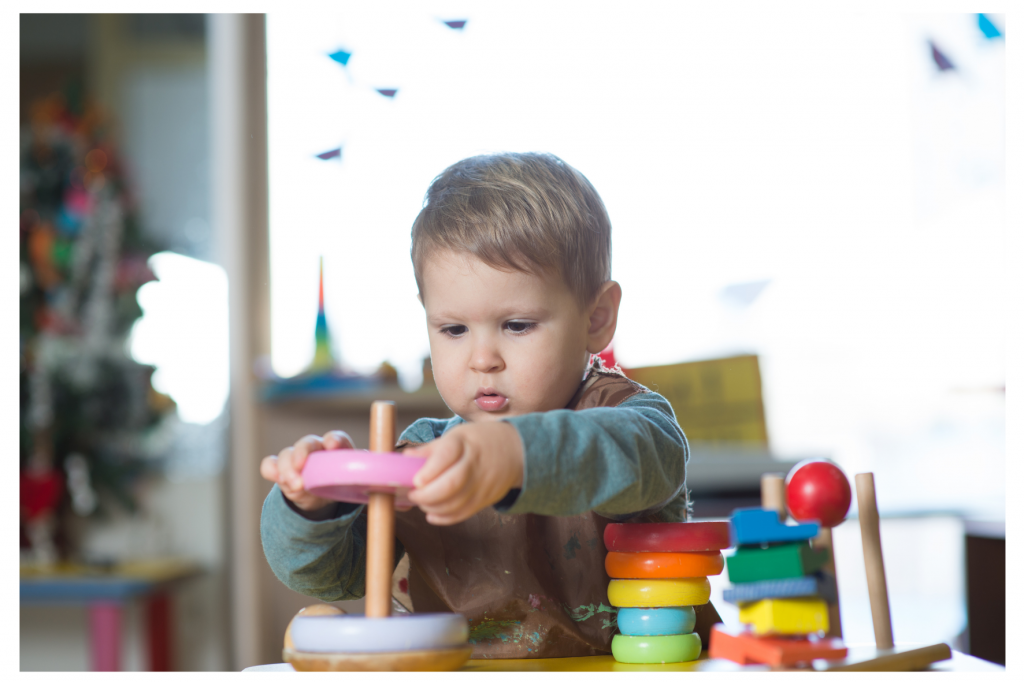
(817, 490)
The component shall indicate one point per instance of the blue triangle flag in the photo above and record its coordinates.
(457, 24)
(341, 57)
(388, 92)
(988, 28)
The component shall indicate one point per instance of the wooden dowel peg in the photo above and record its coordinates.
(824, 540)
(875, 567)
(773, 494)
(380, 525)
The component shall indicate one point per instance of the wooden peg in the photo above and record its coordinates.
(380, 526)
(773, 494)
(824, 541)
(872, 542)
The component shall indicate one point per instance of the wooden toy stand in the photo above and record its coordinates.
(884, 655)
(379, 567)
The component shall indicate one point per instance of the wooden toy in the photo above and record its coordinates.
(817, 490)
(375, 641)
(745, 648)
(311, 610)
(816, 585)
(351, 475)
(756, 526)
(667, 620)
(773, 494)
(691, 536)
(800, 616)
(749, 565)
(871, 540)
(661, 592)
(374, 635)
(663, 564)
(663, 649)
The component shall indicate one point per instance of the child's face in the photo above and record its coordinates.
(501, 343)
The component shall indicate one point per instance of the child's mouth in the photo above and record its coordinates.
(490, 402)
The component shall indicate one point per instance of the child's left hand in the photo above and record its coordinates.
(469, 468)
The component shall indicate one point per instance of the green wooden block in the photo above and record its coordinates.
(791, 560)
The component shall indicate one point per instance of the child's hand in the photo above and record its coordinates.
(285, 469)
(469, 468)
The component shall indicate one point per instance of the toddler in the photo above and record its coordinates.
(512, 256)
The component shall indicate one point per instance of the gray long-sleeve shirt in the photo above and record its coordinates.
(620, 462)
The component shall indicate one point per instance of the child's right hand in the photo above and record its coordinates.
(285, 468)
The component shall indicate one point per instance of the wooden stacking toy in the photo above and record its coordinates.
(376, 640)
(788, 604)
(659, 573)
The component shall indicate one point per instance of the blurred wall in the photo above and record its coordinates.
(150, 72)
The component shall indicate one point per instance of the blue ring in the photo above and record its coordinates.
(668, 620)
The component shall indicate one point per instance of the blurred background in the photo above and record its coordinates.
(808, 226)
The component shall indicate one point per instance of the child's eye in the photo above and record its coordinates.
(454, 331)
(519, 327)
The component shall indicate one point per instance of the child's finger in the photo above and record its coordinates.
(442, 490)
(302, 448)
(268, 468)
(441, 454)
(337, 440)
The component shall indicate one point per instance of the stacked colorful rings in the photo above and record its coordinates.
(659, 573)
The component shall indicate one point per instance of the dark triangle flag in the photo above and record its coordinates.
(330, 154)
(388, 92)
(457, 24)
(941, 60)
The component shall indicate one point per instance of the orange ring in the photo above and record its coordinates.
(663, 564)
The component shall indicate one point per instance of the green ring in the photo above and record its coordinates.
(656, 648)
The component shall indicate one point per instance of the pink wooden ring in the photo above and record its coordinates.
(350, 475)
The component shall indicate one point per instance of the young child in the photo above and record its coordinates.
(512, 255)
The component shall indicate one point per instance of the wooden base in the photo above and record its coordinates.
(900, 658)
(434, 660)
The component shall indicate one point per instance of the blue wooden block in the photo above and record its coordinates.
(756, 526)
(816, 585)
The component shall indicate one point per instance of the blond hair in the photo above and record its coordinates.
(528, 212)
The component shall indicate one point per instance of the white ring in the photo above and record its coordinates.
(352, 634)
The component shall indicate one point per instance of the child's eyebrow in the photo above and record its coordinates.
(452, 317)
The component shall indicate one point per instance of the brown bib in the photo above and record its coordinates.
(531, 586)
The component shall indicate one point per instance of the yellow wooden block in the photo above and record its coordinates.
(786, 616)
(655, 592)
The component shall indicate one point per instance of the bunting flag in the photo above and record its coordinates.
(459, 24)
(988, 28)
(330, 154)
(341, 56)
(388, 92)
(941, 60)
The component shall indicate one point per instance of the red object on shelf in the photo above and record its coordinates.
(40, 493)
(690, 536)
(746, 648)
(817, 490)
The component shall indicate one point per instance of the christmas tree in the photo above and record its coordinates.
(86, 406)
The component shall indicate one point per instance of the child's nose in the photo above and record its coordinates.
(486, 358)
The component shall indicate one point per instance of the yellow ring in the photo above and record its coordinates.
(659, 592)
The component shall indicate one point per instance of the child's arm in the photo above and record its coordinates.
(617, 461)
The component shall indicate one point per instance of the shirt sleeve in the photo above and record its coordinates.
(620, 462)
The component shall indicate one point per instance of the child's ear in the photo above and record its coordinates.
(604, 316)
